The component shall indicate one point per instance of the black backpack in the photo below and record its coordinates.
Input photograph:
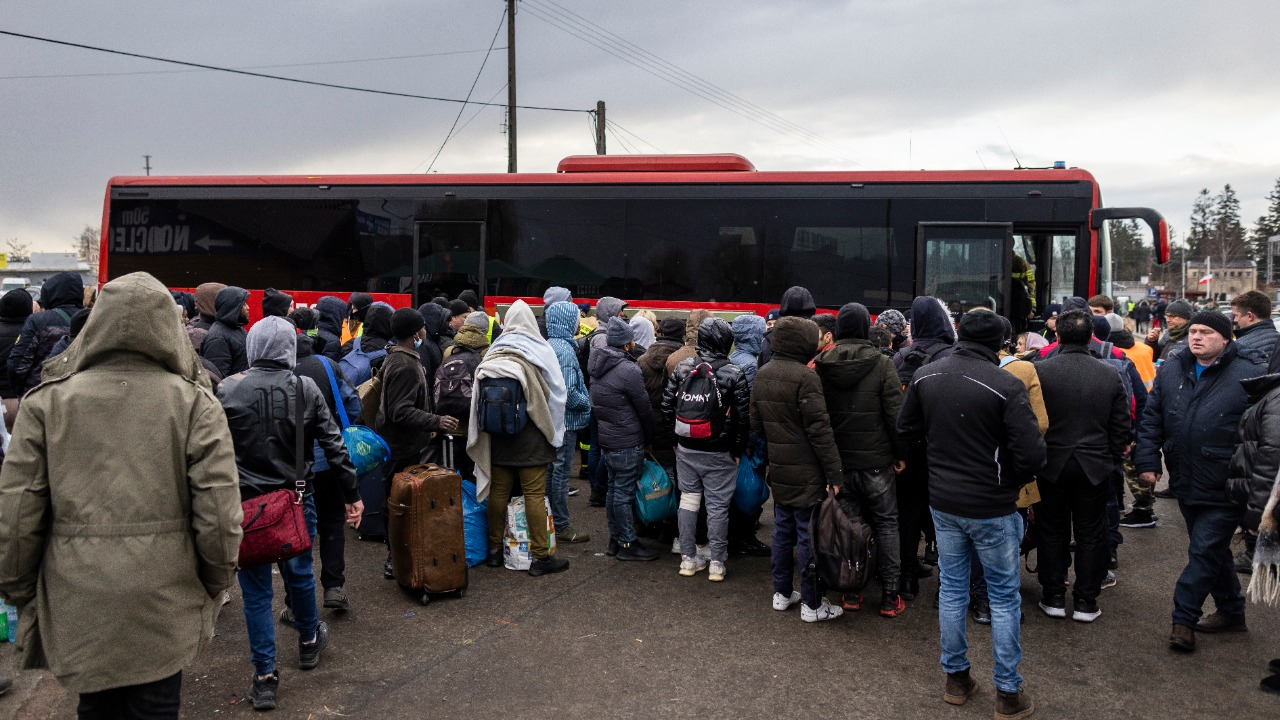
(503, 409)
(844, 547)
(584, 353)
(454, 381)
(916, 359)
(700, 411)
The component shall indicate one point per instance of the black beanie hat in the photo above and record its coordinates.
(442, 301)
(853, 321)
(1179, 308)
(1212, 319)
(983, 327)
(469, 297)
(15, 306)
(275, 303)
(405, 323)
(672, 328)
(458, 307)
(1102, 327)
(359, 303)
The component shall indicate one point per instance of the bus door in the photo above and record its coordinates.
(965, 264)
(1048, 261)
(448, 255)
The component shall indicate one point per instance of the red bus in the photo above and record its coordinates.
(669, 232)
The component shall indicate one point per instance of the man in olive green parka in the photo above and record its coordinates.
(120, 506)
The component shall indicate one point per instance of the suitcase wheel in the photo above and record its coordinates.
(426, 599)
(460, 593)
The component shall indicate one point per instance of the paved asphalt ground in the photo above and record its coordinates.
(634, 640)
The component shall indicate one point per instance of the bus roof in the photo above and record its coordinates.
(627, 169)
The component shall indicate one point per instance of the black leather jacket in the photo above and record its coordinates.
(262, 414)
(715, 338)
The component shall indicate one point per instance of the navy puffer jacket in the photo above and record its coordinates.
(618, 400)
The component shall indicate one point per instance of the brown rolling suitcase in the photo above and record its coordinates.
(424, 514)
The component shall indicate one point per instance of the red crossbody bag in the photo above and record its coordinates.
(274, 526)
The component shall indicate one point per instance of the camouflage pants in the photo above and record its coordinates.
(1143, 499)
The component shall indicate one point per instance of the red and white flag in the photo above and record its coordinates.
(1206, 279)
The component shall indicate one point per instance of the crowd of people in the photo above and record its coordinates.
(942, 432)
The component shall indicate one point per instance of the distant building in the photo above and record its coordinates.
(1228, 280)
(43, 266)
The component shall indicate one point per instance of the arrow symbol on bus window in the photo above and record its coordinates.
(206, 243)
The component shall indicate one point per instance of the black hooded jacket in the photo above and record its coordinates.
(63, 295)
(796, 302)
(15, 308)
(619, 403)
(715, 338)
(432, 351)
(930, 325)
(330, 312)
(224, 346)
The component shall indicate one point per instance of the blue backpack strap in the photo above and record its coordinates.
(337, 397)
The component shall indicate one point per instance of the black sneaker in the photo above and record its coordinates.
(980, 610)
(263, 692)
(1113, 561)
(336, 599)
(547, 565)
(1136, 518)
(286, 616)
(596, 499)
(612, 548)
(1244, 561)
(930, 554)
(1166, 493)
(388, 571)
(1085, 611)
(494, 559)
(309, 652)
(635, 551)
(1055, 606)
(908, 587)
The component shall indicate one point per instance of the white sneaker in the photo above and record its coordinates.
(690, 566)
(782, 602)
(826, 611)
(704, 552)
(675, 546)
(717, 571)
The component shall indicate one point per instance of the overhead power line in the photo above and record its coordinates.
(248, 67)
(463, 107)
(265, 76)
(618, 129)
(564, 19)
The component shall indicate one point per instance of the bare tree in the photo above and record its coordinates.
(18, 251)
(87, 247)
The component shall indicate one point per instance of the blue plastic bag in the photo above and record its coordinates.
(751, 491)
(475, 524)
(655, 494)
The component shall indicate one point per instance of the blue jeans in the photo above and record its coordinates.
(300, 583)
(1210, 569)
(997, 542)
(558, 479)
(791, 530)
(624, 468)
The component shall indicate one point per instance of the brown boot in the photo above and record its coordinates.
(959, 687)
(1219, 623)
(1014, 706)
(1182, 638)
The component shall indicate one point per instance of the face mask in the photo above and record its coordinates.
(417, 343)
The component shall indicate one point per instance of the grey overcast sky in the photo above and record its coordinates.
(1158, 98)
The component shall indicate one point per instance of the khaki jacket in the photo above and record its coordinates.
(119, 507)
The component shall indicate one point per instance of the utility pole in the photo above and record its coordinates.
(148, 165)
(600, 127)
(511, 86)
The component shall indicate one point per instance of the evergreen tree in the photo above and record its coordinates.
(1201, 224)
(1226, 240)
(1267, 226)
(1130, 257)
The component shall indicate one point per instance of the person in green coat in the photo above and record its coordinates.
(121, 508)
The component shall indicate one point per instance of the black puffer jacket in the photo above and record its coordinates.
(15, 308)
(788, 411)
(1193, 423)
(63, 295)
(1256, 342)
(330, 311)
(1257, 457)
(715, 338)
(224, 346)
(863, 397)
(619, 403)
(796, 302)
(983, 438)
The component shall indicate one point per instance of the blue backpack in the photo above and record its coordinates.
(366, 448)
(357, 365)
(502, 408)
